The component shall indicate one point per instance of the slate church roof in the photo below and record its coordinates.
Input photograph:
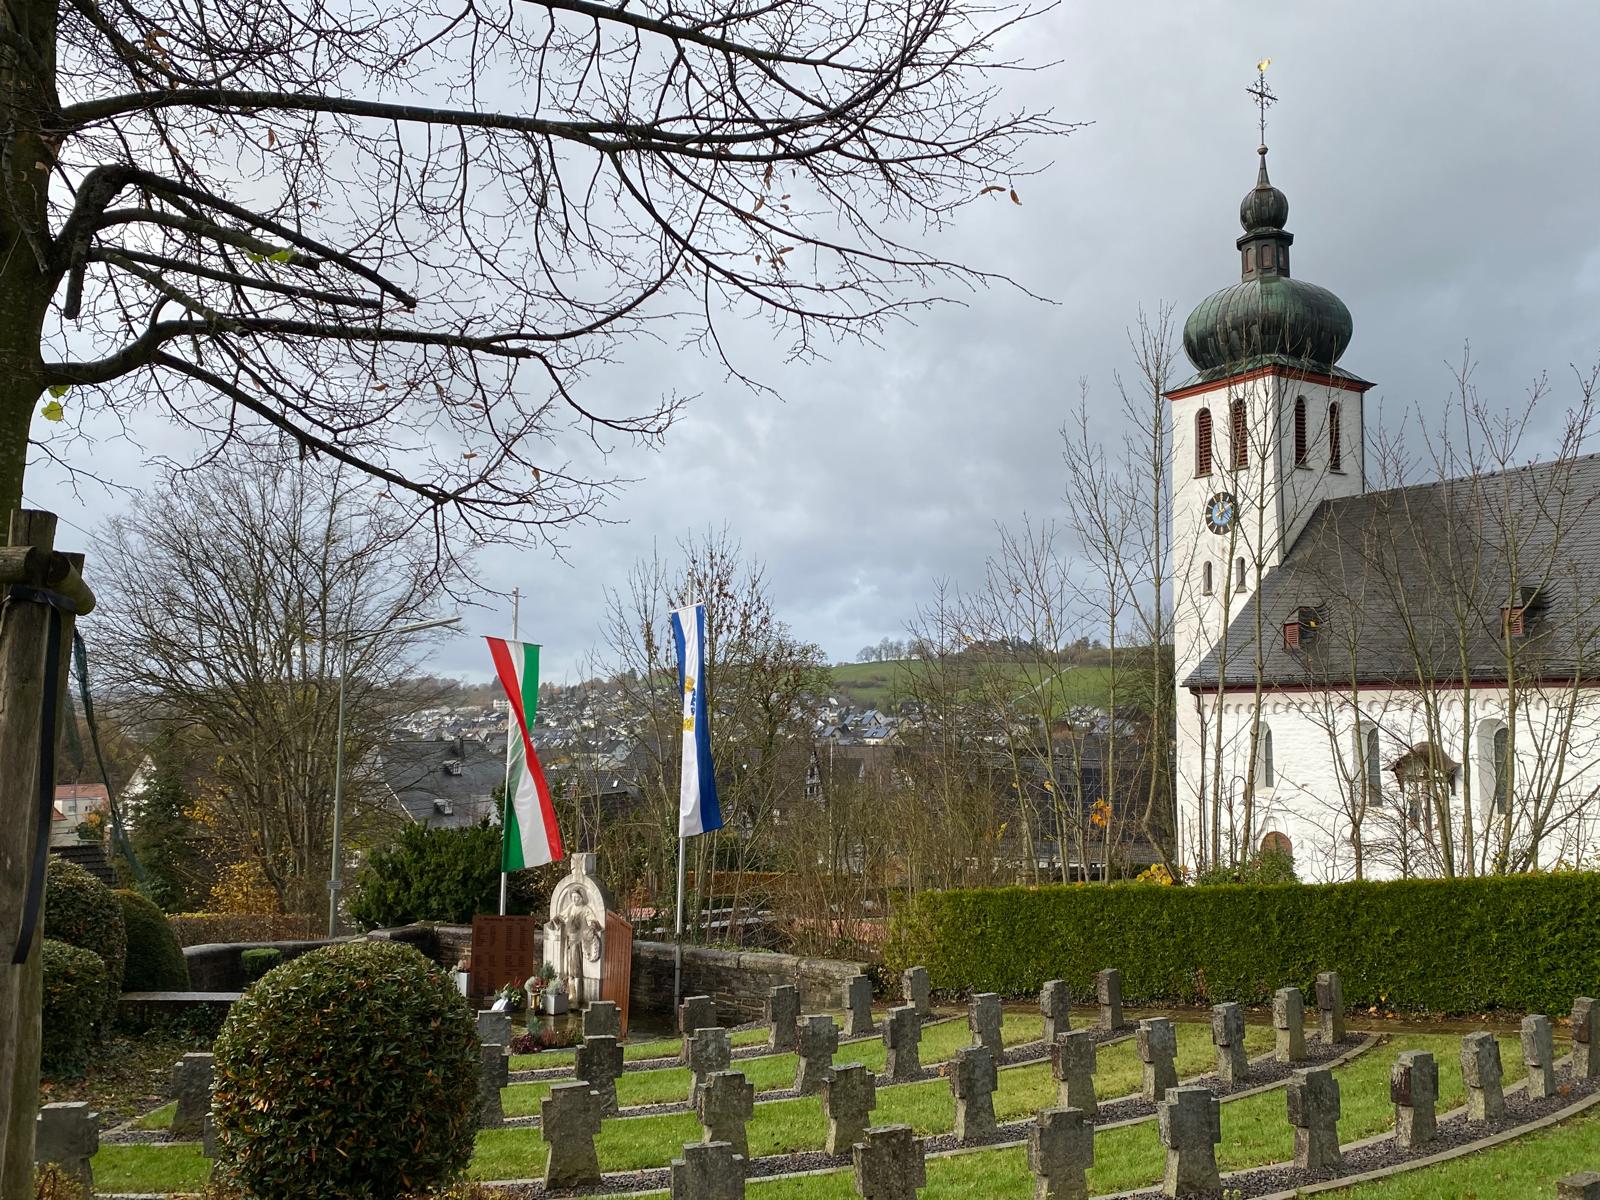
(1387, 582)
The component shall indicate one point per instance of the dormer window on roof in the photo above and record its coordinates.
(1301, 627)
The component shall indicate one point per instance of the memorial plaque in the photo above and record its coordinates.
(502, 951)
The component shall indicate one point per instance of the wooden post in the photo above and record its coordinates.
(29, 559)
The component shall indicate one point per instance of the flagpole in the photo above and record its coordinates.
(505, 799)
(677, 943)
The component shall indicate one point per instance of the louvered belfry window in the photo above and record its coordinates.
(1302, 448)
(1202, 442)
(1239, 437)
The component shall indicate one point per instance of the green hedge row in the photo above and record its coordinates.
(1525, 943)
(73, 1000)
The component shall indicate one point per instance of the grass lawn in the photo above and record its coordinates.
(160, 1118)
(1255, 1130)
(771, 1072)
(1527, 1167)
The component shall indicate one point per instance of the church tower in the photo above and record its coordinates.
(1267, 428)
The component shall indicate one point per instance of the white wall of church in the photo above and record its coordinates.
(1316, 772)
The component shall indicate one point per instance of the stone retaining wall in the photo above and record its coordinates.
(219, 967)
(737, 980)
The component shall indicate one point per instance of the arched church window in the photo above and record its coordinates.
(1205, 579)
(1238, 436)
(1374, 769)
(1266, 775)
(1501, 747)
(1277, 843)
(1427, 777)
(1238, 573)
(1302, 447)
(1335, 439)
(1202, 442)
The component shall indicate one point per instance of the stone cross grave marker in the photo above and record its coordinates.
(494, 1027)
(858, 1006)
(914, 990)
(68, 1135)
(781, 1013)
(727, 1102)
(1227, 1035)
(1158, 1054)
(191, 1084)
(1480, 1071)
(569, 1119)
(1108, 993)
(602, 1018)
(1190, 1120)
(709, 1052)
(1585, 1185)
(1072, 1063)
(708, 1171)
(973, 1079)
(817, 1042)
(889, 1164)
(696, 1012)
(848, 1099)
(599, 1063)
(1055, 1002)
(1538, 1056)
(493, 1072)
(902, 1030)
(1314, 1113)
(1585, 1038)
(1414, 1089)
(984, 1020)
(1289, 1023)
(1060, 1151)
(1330, 1007)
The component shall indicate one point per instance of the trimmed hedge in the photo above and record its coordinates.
(1525, 943)
(258, 962)
(350, 1072)
(81, 911)
(155, 960)
(74, 992)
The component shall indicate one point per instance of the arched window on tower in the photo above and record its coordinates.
(1202, 442)
(1265, 775)
(1374, 768)
(1238, 436)
(1302, 447)
(1335, 439)
(1238, 573)
(1205, 579)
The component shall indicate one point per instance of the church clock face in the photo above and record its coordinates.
(1222, 510)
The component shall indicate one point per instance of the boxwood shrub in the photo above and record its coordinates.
(349, 1071)
(81, 911)
(1526, 943)
(74, 997)
(155, 960)
(259, 961)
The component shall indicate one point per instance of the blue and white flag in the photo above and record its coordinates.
(698, 811)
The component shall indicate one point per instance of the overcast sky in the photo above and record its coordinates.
(1440, 161)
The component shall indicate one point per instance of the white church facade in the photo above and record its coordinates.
(1380, 682)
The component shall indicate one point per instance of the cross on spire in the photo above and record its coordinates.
(1263, 94)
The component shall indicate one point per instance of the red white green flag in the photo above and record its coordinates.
(531, 837)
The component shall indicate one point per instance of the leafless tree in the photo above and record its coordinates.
(227, 600)
(398, 237)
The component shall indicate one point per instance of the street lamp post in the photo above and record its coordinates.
(335, 882)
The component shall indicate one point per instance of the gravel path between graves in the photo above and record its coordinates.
(1374, 1154)
(760, 1050)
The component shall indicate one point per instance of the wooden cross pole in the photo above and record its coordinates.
(40, 586)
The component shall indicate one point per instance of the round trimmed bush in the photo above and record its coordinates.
(350, 1071)
(258, 962)
(155, 960)
(74, 996)
(81, 911)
